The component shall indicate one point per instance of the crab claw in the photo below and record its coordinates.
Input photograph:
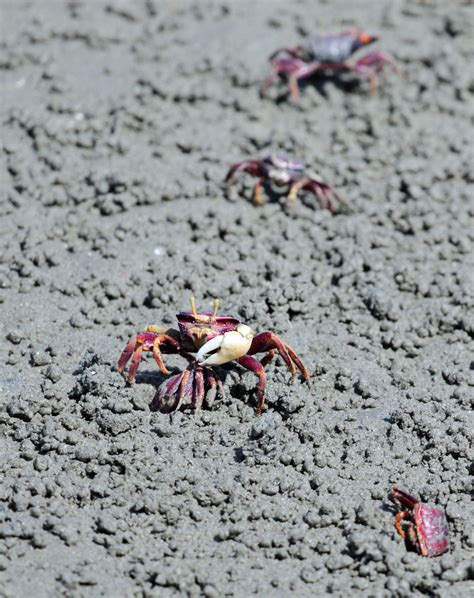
(226, 347)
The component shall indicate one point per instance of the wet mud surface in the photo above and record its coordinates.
(119, 121)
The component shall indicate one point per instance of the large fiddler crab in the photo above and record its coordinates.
(283, 172)
(205, 339)
(422, 525)
(327, 53)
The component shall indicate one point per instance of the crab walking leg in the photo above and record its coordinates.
(374, 62)
(163, 338)
(318, 187)
(129, 350)
(281, 66)
(266, 341)
(252, 364)
(266, 359)
(251, 166)
(322, 190)
(294, 52)
(399, 518)
(146, 341)
(378, 60)
(299, 364)
(185, 387)
(136, 357)
(198, 389)
(257, 192)
(304, 71)
(212, 387)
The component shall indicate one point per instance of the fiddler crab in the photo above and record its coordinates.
(327, 53)
(215, 340)
(422, 525)
(283, 172)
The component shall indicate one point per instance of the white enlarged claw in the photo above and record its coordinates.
(231, 345)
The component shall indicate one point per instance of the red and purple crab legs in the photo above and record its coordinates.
(267, 342)
(253, 167)
(153, 339)
(298, 69)
(284, 66)
(375, 61)
(194, 383)
(322, 190)
(403, 499)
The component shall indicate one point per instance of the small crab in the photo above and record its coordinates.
(426, 527)
(328, 52)
(283, 172)
(216, 340)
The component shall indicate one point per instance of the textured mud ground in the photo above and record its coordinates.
(119, 120)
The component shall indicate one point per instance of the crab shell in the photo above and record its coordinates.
(202, 327)
(431, 529)
(282, 170)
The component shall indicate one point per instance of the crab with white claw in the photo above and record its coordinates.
(284, 172)
(216, 340)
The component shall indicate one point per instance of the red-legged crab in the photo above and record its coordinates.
(328, 53)
(283, 172)
(216, 340)
(422, 525)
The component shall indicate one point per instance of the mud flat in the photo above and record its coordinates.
(119, 121)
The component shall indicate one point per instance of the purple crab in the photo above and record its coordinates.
(327, 53)
(216, 340)
(283, 172)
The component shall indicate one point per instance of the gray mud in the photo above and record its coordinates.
(119, 120)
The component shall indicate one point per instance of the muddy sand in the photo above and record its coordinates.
(119, 121)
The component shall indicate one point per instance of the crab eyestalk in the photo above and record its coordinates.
(226, 347)
(198, 316)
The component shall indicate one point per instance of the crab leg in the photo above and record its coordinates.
(281, 66)
(257, 192)
(136, 357)
(266, 341)
(377, 60)
(266, 359)
(172, 392)
(399, 518)
(252, 364)
(301, 73)
(198, 389)
(294, 52)
(251, 166)
(146, 341)
(316, 185)
(212, 390)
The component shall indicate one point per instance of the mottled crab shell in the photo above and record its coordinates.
(431, 529)
(283, 162)
(206, 320)
(337, 47)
